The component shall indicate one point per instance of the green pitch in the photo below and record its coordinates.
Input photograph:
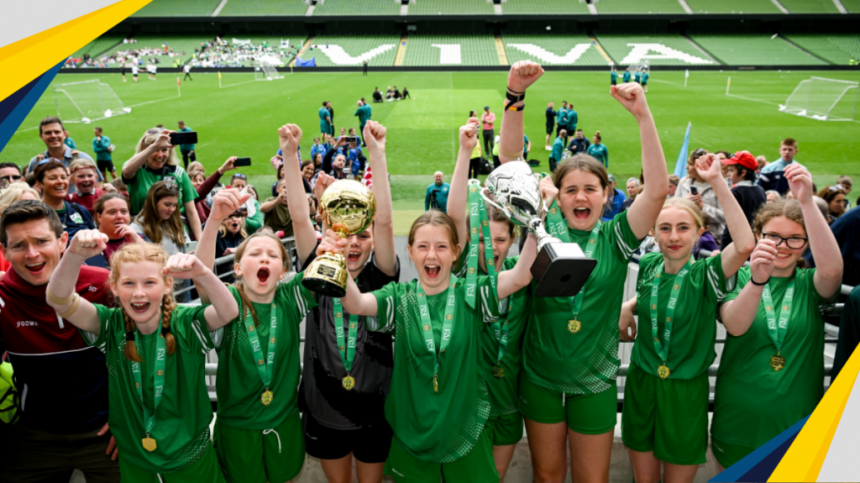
(242, 119)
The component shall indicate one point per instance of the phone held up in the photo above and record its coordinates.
(240, 162)
(185, 137)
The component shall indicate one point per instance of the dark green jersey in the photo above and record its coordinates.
(183, 415)
(138, 186)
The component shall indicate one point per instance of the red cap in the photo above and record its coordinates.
(744, 158)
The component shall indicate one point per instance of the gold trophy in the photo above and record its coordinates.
(348, 208)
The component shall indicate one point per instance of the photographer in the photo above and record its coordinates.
(437, 194)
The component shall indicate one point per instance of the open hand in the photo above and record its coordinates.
(183, 266)
(697, 199)
(111, 447)
(523, 74)
(226, 202)
(88, 243)
(163, 140)
(228, 165)
(632, 97)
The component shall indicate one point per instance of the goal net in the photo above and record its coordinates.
(823, 99)
(266, 72)
(87, 101)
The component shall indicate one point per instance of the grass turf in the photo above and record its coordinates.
(242, 119)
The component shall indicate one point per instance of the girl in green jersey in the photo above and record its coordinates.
(772, 370)
(568, 392)
(438, 403)
(156, 354)
(665, 420)
(258, 434)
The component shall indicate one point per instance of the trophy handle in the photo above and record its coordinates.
(495, 205)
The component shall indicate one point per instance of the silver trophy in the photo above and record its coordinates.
(561, 269)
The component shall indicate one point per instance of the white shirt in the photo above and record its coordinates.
(134, 69)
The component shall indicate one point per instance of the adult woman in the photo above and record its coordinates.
(343, 392)
(835, 198)
(155, 160)
(308, 179)
(568, 389)
(665, 420)
(52, 179)
(598, 151)
(112, 218)
(772, 369)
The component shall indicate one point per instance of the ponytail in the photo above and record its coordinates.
(246, 303)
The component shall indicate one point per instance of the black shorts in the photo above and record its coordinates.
(369, 444)
(549, 128)
(614, 82)
(186, 155)
(644, 84)
(106, 165)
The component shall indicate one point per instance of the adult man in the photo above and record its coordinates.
(615, 200)
(103, 150)
(363, 112)
(771, 176)
(613, 76)
(625, 78)
(326, 124)
(550, 124)
(69, 141)
(704, 196)
(562, 119)
(276, 211)
(134, 70)
(557, 150)
(742, 172)
(187, 70)
(330, 115)
(632, 193)
(437, 194)
(846, 229)
(645, 76)
(62, 382)
(9, 173)
(488, 118)
(187, 150)
(579, 144)
(364, 70)
(377, 96)
(53, 134)
(572, 118)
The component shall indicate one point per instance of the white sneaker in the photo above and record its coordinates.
(547, 148)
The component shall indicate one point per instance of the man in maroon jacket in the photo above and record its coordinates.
(62, 383)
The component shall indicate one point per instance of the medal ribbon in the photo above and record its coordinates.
(265, 365)
(158, 380)
(776, 329)
(558, 229)
(663, 350)
(478, 217)
(347, 349)
(427, 324)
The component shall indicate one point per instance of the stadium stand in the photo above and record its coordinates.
(458, 50)
(173, 8)
(852, 6)
(451, 7)
(257, 8)
(351, 51)
(247, 52)
(638, 6)
(623, 53)
(543, 7)
(556, 49)
(809, 6)
(733, 6)
(357, 7)
(180, 47)
(744, 50)
(98, 46)
(838, 49)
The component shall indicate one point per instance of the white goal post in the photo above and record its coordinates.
(265, 71)
(87, 101)
(823, 99)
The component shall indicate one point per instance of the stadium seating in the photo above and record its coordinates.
(838, 49)
(543, 7)
(98, 46)
(617, 46)
(256, 8)
(182, 45)
(451, 7)
(809, 6)
(733, 6)
(173, 8)
(465, 50)
(358, 7)
(347, 51)
(638, 6)
(557, 47)
(852, 6)
(744, 50)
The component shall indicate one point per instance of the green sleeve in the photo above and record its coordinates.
(189, 193)
(386, 309)
(742, 277)
(806, 277)
(717, 287)
(298, 298)
(94, 340)
(462, 262)
(254, 223)
(489, 299)
(189, 328)
(621, 236)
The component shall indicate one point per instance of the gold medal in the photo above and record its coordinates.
(498, 372)
(148, 444)
(266, 397)
(663, 371)
(348, 382)
(435, 383)
(574, 325)
(777, 362)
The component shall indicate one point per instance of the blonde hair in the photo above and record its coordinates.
(242, 231)
(79, 164)
(149, 137)
(196, 166)
(137, 253)
(688, 206)
(13, 193)
(264, 232)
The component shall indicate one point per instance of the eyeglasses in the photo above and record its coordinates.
(835, 187)
(239, 176)
(170, 184)
(794, 242)
(11, 178)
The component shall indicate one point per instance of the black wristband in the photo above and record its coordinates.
(514, 96)
(512, 107)
(759, 284)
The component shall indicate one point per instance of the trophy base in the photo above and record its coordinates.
(326, 275)
(561, 270)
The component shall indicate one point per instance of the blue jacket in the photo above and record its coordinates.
(772, 177)
(441, 196)
(101, 148)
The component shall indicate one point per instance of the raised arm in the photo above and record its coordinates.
(188, 267)
(354, 301)
(61, 288)
(738, 314)
(458, 194)
(383, 230)
(825, 249)
(224, 204)
(290, 136)
(511, 281)
(522, 74)
(193, 219)
(743, 241)
(210, 183)
(644, 211)
(129, 169)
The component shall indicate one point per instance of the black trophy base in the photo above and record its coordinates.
(560, 270)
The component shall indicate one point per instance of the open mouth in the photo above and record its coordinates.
(432, 271)
(783, 255)
(140, 307)
(495, 260)
(263, 275)
(582, 213)
(353, 256)
(235, 225)
(35, 268)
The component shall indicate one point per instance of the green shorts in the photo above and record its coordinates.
(584, 413)
(668, 417)
(477, 466)
(261, 455)
(506, 429)
(204, 470)
(727, 454)
(325, 128)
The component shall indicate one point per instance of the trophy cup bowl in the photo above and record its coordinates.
(348, 208)
(560, 269)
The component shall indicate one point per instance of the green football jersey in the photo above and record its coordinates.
(694, 327)
(585, 361)
(183, 415)
(238, 384)
(443, 426)
(754, 403)
(139, 185)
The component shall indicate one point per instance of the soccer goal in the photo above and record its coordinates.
(266, 72)
(87, 101)
(823, 99)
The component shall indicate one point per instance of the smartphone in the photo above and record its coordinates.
(351, 139)
(240, 162)
(693, 191)
(187, 137)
